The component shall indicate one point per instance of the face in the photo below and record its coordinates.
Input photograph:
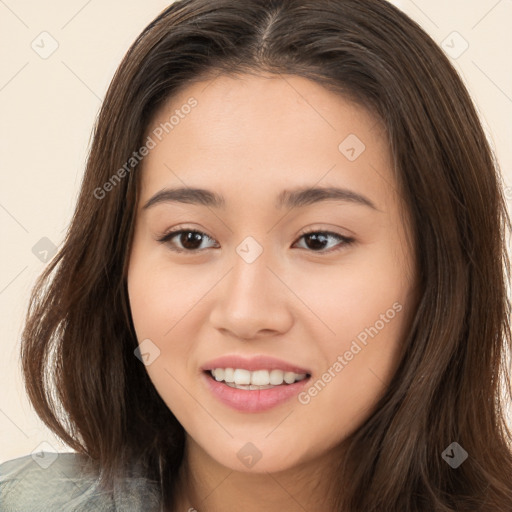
(321, 285)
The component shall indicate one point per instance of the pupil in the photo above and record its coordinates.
(315, 237)
(190, 238)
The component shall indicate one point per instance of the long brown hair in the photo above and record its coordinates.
(453, 382)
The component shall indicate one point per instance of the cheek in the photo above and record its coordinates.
(159, 302)
(368, 314)
(147, 301)
(349, 297)
(167, 308)
(159, 295)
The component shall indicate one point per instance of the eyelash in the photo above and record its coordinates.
(167, 238)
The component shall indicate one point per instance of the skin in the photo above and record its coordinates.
(249, 138)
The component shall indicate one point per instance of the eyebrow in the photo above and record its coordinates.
(294, 198)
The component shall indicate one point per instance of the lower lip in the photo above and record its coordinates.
(255, 400)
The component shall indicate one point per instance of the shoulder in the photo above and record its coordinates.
(67, 482)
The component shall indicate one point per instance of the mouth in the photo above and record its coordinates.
(254, 384)
(243, 379)
(253, 398)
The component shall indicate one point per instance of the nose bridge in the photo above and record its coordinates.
(250, 275)
(251, 299)
(257, 262)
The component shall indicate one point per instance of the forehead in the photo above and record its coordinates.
(262, 133)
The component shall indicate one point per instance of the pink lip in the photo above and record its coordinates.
(253, 363)
(246, 400)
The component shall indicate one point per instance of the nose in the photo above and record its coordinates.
(252, 301)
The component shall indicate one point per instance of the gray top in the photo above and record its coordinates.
(64, 482)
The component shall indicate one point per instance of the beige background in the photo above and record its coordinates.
(48, 107)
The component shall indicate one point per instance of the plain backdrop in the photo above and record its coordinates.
(58, 58)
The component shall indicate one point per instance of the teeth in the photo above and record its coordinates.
(229, 375)
(250, 387)
(258, 378)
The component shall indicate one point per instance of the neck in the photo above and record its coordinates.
(203, 485)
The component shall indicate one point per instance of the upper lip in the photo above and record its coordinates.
(260, 362)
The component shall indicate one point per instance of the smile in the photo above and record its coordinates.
(260, 379)
(252, 398)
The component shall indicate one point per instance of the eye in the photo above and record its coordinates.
(188, 243)
(319, 238)
(190, 240)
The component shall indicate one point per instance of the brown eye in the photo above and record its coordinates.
(317, 240)
(190, 240)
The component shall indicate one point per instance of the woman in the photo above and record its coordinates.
(283, 287)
